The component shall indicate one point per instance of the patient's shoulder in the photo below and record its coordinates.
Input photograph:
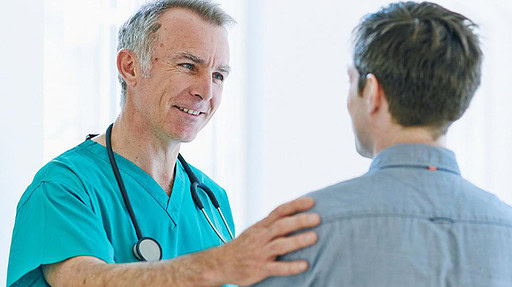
(345, 196)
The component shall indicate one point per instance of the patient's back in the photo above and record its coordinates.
(403, 224)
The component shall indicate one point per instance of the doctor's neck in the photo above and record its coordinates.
(134, 139)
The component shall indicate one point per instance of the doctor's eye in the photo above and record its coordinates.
(218, 76)
(187, 66)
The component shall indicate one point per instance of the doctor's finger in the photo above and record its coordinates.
(285, 245)
(287, 268)
(292, 207)
(293, 223)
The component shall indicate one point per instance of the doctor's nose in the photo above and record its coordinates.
(203, 88)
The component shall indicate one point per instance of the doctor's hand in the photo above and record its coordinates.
(251, 257)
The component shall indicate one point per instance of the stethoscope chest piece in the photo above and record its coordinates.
(147, 249)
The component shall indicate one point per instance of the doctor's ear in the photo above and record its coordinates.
(127, 66)
(373, 93)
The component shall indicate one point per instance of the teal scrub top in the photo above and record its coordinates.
(74, 207)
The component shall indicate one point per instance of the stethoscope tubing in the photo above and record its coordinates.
(193, 189)
(121, 183)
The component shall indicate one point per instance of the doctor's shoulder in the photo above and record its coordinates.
(65, 173)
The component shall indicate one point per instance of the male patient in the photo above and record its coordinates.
(412, 220)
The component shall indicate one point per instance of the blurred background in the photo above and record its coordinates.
(282, 129)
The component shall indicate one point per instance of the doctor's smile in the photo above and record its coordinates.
(189, 111)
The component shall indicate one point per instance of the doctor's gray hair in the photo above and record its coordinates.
(138, 33)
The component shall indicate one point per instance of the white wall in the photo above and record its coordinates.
(305, 140)
(21, 109)
(483, 137)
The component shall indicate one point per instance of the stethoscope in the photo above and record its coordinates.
(147, 248)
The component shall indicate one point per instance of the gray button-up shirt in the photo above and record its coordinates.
(412, 220)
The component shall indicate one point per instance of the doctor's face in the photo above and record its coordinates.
(357, 111)
(189, 63)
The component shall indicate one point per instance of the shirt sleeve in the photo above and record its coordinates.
(55, 223)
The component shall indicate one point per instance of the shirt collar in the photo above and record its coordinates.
(418, 155)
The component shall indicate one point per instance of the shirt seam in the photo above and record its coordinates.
(56, 181)
(336, 218)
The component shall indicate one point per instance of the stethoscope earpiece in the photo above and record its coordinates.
(147, 249)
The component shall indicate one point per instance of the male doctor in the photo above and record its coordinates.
(72, 224)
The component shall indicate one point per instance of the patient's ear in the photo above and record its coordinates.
(373, 93)
(126, 66)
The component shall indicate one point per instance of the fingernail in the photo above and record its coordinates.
(304, 265)
(308, 200)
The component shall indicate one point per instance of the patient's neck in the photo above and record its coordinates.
(403, 135)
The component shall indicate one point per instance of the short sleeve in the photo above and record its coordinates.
(54, 223)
